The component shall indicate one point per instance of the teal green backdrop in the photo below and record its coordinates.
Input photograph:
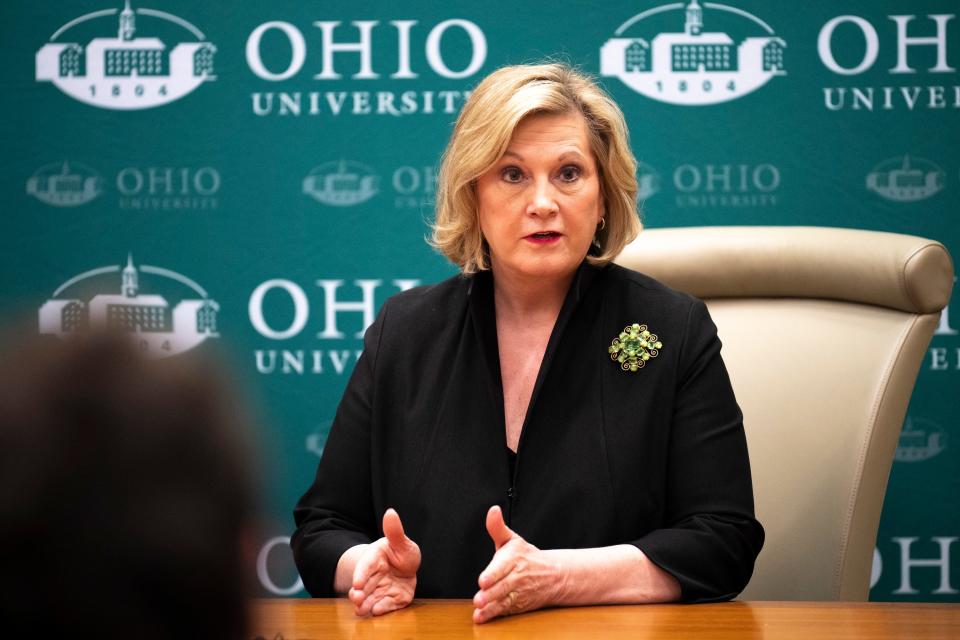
(258, 178)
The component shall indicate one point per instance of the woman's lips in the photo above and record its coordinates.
(544, 237)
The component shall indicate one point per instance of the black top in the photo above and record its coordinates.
(655, 458)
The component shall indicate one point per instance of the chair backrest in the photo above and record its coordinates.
(823, 334)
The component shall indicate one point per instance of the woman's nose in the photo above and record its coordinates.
(543, 201)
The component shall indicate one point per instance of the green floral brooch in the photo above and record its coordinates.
(634, 346)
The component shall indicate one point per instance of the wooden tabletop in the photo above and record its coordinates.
(333, 618)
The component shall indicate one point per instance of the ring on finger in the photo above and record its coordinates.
(512, 596)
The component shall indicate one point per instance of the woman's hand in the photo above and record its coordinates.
(385, 576)
(520, 577)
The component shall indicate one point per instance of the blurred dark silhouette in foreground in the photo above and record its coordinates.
(126, 494)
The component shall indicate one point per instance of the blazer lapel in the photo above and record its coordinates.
(484, 320)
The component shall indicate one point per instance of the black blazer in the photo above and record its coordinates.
(655, 458)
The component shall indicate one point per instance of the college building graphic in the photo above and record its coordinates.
(65, 187)
(697, 50)
(147, 315)
(900, 181)
(337, 184)
(126, 71)
(664, 66)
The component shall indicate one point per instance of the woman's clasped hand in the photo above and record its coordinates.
(519, 577)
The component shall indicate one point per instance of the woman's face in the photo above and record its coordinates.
(540, 204)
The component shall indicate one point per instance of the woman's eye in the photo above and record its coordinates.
(512, 174)
(570, 173)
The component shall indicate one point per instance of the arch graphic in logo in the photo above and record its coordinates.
(67, 184)
(127, 72)
(342, 183)
(906, 179)
(693, 66)
(91, 299)
(921, 439)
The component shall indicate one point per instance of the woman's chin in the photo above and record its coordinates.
(548, 267)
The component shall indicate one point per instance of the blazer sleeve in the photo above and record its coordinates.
(336, 512)
(711, 538)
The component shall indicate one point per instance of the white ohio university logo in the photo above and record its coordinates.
(127, 71)
(693, 66)
(113, 297)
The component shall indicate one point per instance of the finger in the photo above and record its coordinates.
(393, 528)
(370, 563)
(371, 584)
(492, 610)
(356, 596)
(364, 607)
(478, 617)
(382, 591)
(387, 604)
(499, 568)
(497, 528)
(497, 591)
(369, 600)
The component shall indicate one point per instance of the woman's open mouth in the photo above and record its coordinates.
(543, 237)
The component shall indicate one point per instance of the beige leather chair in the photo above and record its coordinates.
(823, 333)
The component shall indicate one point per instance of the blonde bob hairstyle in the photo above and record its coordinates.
(482, 134)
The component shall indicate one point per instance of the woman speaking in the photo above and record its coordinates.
(545, 428)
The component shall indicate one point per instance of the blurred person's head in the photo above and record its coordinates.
(126, 499)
